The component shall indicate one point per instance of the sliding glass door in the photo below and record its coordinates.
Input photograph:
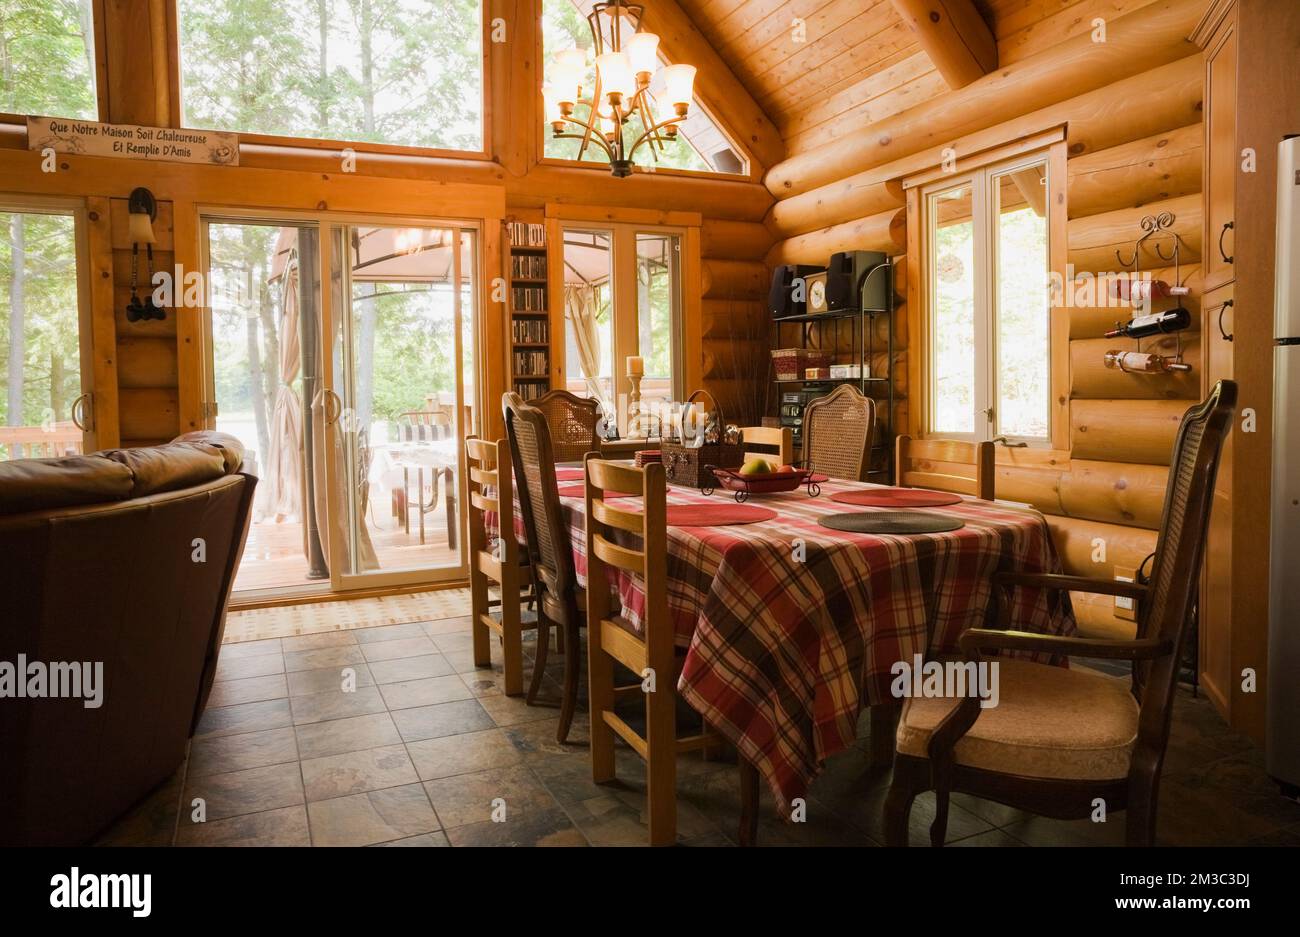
(402, 298)
(341, 357)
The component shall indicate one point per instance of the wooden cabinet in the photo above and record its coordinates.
(1221, 159)
(1250, 105)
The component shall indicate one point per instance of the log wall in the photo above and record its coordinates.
(1132, 109)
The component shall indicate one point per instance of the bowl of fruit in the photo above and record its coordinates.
(759, 476)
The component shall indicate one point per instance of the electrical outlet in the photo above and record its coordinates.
(1125, 607)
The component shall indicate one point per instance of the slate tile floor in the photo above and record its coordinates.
(426, 743)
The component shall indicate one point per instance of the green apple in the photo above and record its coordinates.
(756, 467)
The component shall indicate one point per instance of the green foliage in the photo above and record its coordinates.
(47, 58)
(405, 72)
(50, 372)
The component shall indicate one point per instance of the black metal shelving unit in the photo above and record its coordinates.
(862, 323)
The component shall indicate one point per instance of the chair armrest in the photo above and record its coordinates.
(1132, 590)
(975, 639)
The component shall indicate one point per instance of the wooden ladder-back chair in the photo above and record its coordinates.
(572, 421)
(837, 432)
(491, 489)
(937, 463)
(611, 638)
(560, 602)
(1060, 739)
(780, 438)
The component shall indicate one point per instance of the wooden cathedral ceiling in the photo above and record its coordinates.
(859, 62)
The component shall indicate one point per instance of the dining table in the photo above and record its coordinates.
(791, 630)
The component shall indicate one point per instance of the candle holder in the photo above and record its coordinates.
(634, 428)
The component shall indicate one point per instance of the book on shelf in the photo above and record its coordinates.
(528, 298)
(531, 331)
(523, 234)
(531, 363)
(528, 266)
(530, 390)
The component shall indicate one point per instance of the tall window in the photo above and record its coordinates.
(622, 298)
(988, 268)
(402, 72)
(47, 58)
(701, 145)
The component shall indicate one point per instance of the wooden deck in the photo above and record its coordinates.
(273, 557)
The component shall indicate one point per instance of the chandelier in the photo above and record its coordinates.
(626, 64)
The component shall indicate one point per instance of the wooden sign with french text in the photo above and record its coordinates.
(131, 141)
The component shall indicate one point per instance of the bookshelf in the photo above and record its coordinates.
(530, 324)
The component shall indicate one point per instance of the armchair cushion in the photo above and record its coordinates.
(1049, 723)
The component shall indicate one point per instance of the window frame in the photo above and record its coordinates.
(484, 152)
(624, 225)
(979, 170)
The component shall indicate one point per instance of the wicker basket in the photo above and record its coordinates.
(687, 465)
(791, 363)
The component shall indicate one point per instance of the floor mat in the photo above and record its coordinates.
(286, 621)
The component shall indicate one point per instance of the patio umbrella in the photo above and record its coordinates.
(284, 461)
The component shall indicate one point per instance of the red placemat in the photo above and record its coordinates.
(817, 477)
(717, 515)
(897, 498)
(568, 474)
(579, 491)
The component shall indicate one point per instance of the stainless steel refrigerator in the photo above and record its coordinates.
(1283, 739)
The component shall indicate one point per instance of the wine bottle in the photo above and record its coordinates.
(1155, 323)
(1144, 362)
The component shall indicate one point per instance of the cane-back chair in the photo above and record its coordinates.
(837, 432)
(560, 601)
(1059, 740)
(572, 421)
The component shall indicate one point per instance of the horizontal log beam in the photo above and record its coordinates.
(733, 279)
(1082, 545)
(1114, 492)
(954, 36)
(1125, 430)
(1157, 101)
(1153, 169)
(1149, 37)
(1094, 240)
(886, 232)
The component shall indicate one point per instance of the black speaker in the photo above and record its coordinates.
(844, 274)
(781, 299)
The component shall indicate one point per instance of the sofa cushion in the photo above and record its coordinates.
(169, 467)
(232, 450)
(49, 484)
(1049, 723)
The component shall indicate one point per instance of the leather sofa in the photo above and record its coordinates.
(123, 558)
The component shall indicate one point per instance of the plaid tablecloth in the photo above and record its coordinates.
(791, 628)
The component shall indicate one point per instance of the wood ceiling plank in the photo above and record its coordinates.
(829, 30)
(858, 90)
(908, 95)
(794, 82)
(1060, 25)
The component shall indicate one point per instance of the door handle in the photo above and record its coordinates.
(79, 412)
(331, 396)
(1227, 226)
